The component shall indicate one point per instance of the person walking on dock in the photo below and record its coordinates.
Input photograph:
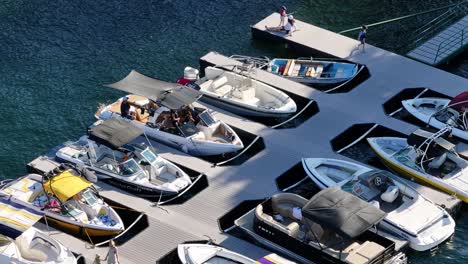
(362, 38)
(112, 256)
(283, 15)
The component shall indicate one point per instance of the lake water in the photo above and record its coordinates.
(56, 55)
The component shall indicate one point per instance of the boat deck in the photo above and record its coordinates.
(255, 178)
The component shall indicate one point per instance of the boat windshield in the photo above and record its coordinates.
(69, 210)
(90, 197)
(188, 129)
(207, 118)
(152, 157)
(403, 157)
(129, 167)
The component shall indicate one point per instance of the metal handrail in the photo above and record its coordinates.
(427, 30)
(443, 44)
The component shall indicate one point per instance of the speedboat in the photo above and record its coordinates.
(196, 132)
(409, 215)
(67, 200)
(108, 151)
(204, 253)
(440, 112)
(426, 157)
(239, 93)
(309, 71)
(33, 246)
(23, 244)
(332, 227)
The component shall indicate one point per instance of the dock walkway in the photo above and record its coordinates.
(444, 45)
(255, 179)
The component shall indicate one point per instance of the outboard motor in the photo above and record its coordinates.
(189, 79)
(191, 73)
(390, 194)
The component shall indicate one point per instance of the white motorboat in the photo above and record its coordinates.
(23, 244)
(203, 253)
(196, 132)
(136, 167)
(67, 200)
(440, 112)
(211, 254)
(310, 71)
(434, 161)
(33, 246)
(240, 94)
(409, 215)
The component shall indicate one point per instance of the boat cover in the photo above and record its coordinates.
(114, 132)
(65, 185)
(460, 101)
(16, 218)
(342, 212)
(171, 95)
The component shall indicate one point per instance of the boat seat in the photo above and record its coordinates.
(364, 253)
(286, 69)
(220, 86)
(28, 252)
(339, 73)
(206, 85)
(247, 95)
(223, 90)
(319, 70)
(437, 162)
(390, 194)
(375, 203)
(291, 68)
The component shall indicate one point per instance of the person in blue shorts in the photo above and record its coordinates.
(362, 38)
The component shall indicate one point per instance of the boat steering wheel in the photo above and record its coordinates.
(378, 181)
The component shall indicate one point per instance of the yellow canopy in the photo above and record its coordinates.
(65, 185)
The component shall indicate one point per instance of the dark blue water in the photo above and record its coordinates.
(56, 55)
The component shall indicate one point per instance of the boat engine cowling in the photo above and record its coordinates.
(191, 73)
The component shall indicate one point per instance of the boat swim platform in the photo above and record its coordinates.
(229, 185)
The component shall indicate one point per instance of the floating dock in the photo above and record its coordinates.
(197, 218)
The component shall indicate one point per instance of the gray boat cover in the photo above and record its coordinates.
(342, 212)
(171, 95)
(114, 132)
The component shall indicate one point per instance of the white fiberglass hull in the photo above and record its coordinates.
(192, 145)
(424, 224)
(424, 109)
(202, 253)
(244, 95)
(386, 147)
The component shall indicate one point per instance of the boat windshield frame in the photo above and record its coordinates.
(129, 161)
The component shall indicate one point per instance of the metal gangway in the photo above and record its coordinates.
(442, 38)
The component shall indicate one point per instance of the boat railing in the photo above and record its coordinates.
(426, 143)
(257, 62)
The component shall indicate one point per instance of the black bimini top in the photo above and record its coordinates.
(171, 95)
(342, 212)
(114, 132)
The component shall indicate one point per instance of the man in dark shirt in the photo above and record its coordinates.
(125, 108)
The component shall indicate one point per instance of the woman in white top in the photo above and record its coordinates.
(288, 28)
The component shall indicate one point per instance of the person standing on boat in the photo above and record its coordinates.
(362, 38)
(112, 256)
(283, 15)
(125, 108)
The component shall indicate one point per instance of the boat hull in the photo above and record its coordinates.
(412, 175)
(81, 230)
(241, 110)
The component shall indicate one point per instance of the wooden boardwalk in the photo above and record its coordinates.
(444, 45)
(255, 179)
